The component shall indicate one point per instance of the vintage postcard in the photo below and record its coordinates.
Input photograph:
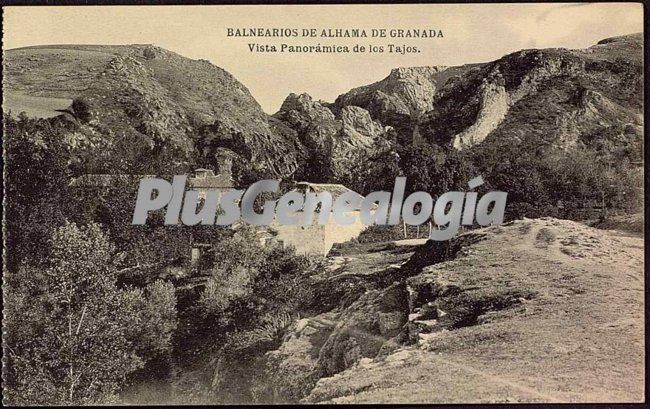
(352, 203)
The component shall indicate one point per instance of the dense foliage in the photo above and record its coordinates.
(73, 335)
(95, 303)
(589, 181)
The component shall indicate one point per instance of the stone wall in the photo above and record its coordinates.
(316, 239)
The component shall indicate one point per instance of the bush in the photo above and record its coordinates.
(545, 236)
(378, 234)
(81, 109)
(269, 333)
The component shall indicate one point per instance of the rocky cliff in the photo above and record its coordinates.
(334, 143)
(404, 95)
(556, 96)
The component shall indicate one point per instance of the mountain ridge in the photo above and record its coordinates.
(144, 98)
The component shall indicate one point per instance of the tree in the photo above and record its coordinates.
(430, 168)
(237, 263)
(73, 337)
(371, 174)
(36, 185)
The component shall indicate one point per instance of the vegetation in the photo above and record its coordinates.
(594, 180)
(87, 309)
(81, 109)
(74, 336)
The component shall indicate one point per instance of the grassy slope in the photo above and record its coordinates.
(35, 107)
(579, 338)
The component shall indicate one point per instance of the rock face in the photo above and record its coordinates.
(406, 92)
(342, 140)
(366, 326)
(540, 94)
(558, 96)
(291, 371)
(494, 102)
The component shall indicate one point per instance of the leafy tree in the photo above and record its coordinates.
(237, 263)
(543, 180)
(372, 174)
(247, 283)
(155, 320)
(36, 184)
(430, 168)
(142, 252)
(73, 337)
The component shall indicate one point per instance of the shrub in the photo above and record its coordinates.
(545, 236)
(73, 336)
(270, 332)
(149, 53)
(81, 109)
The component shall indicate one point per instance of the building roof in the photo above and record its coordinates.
(102, 180)
(333, 189)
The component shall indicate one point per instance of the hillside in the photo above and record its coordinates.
(145, 99)
(554, 96)
(539, 310)
(557, 98)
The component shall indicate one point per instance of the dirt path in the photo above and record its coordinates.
(579, 338)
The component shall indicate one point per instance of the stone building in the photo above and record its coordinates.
(317, 239)
(313, 239)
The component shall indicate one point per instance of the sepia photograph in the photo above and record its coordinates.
(304, 204)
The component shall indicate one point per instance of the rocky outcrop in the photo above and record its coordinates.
(507, 320)
(526, 94)
(555, 96)
(494, 104)
(314, 124)
(406, 92)
(364, 328)
(342, 140)
(291, 371)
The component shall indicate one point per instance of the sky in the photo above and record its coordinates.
(471, 33)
